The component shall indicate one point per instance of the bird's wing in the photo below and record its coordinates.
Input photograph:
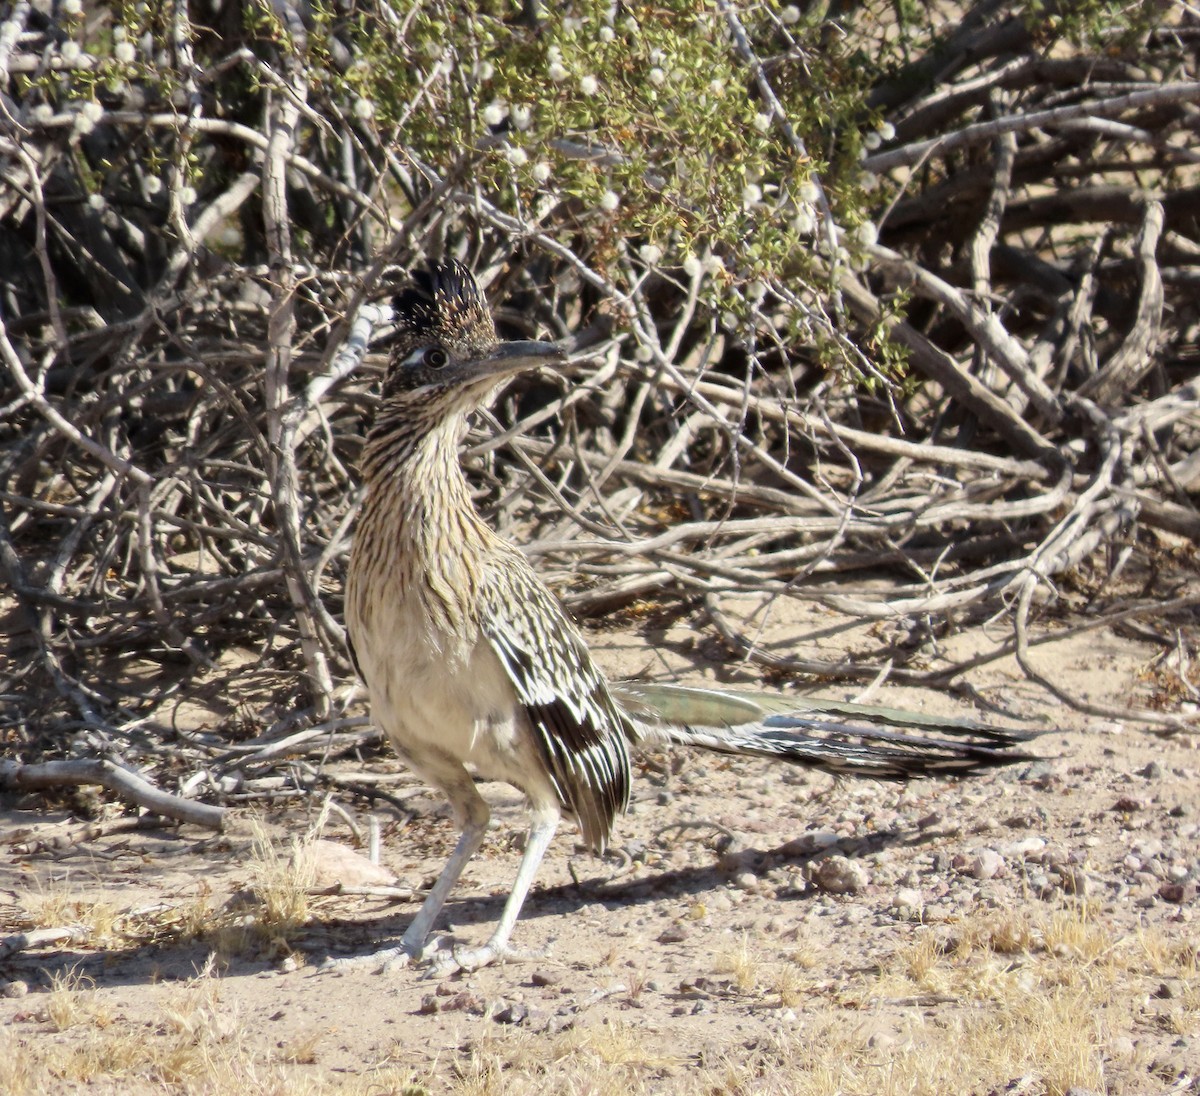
(580, 730)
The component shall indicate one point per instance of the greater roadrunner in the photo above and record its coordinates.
(470, 660)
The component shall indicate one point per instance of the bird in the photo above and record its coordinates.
(474, 668)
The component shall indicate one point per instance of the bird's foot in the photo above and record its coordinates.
(385, 961)
(440, 958)
(465, 960)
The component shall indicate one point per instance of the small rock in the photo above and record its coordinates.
(1128, 804)
(1026, 848)
(334, 863)
(1153, 771)
(881, 1040)
(746, 881)
(907, 897)
(15, 988)
(986, 864)
(545, 978)
(1121, 1047)
(1178, 893)
(1039, 883)
(637, 851)
(931, 819)
(1043, 773)
(1075, 880)
(1168, 1067)
(673, 934)
(1131, 863)
(1022, 821)
(838, 875)
(515, 1012)
(1177, 873)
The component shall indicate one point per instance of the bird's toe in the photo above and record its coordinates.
(377, 962)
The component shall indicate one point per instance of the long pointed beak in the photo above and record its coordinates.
(515, 357)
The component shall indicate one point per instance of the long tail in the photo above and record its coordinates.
(823, 734)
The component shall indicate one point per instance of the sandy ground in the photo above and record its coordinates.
(758, 929)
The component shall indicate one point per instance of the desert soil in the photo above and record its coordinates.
(758, 929)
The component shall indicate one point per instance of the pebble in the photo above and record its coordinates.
(673, 934)
(15, 988)
(838, 875)
(1075, 880)
(907, 896)
(1026, 848)
(1121, 1047)
(515, 1012)
(333, 863)
(1178, 893)
(986, 864)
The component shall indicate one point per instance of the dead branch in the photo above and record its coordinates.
(985, 396)
(128, 785)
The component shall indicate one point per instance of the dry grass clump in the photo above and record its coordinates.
(612, 1058)
(199, 1044)
(63, 907)
(742, 962)
(72, 1000)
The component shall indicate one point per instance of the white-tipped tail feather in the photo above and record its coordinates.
(837, 737)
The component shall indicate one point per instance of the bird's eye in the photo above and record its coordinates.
(435, 357)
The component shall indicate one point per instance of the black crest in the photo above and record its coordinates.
(444, 304)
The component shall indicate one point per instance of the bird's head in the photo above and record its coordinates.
(445, 355)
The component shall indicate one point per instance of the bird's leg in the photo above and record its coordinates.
(472, 815)
(413, 941)
(541, 831)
